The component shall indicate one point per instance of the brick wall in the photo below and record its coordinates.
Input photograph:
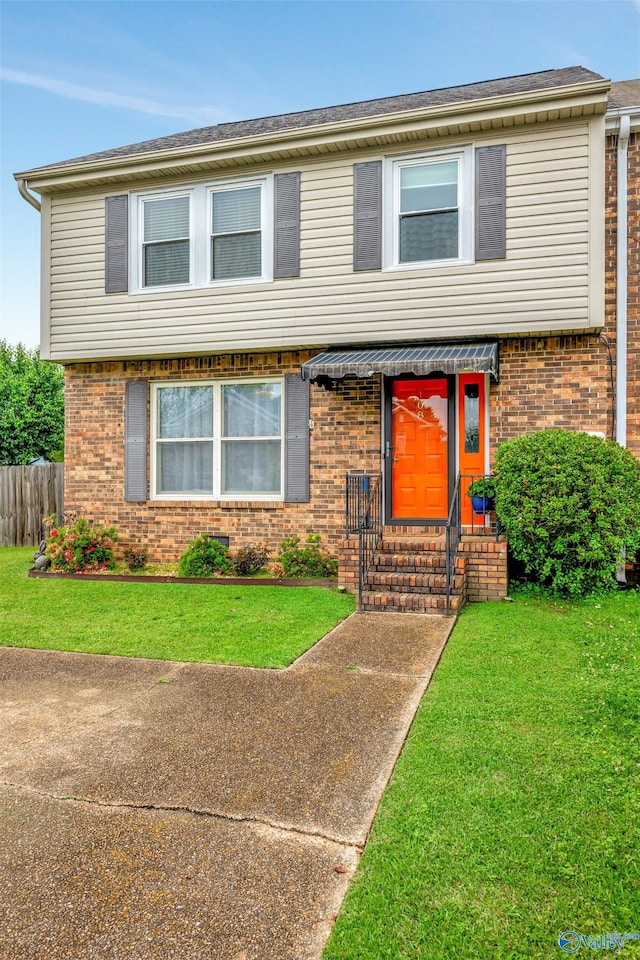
(346, 435)
(546, 382)
(486, 568)
(565, 381)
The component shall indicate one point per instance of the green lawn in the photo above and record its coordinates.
(513, 813)
(250, 626)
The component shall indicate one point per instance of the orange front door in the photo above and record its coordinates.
(420, 449)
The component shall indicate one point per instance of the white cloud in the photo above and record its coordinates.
(107, 98)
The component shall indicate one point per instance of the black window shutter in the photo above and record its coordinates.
(135, 448)
(367, 215)
(491, 219)
(116, 267)
(296, 455)
(286, 254)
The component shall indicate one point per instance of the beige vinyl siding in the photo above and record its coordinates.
(542, 286)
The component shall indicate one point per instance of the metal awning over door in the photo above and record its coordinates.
(393, 361)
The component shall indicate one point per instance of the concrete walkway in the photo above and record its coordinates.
(153, 810)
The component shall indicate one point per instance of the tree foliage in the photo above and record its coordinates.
(569, 504)
(31, 406)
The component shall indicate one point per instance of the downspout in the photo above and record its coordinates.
(621, 284)
(29, 197)
(621, 305)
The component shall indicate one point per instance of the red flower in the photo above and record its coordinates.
(54, 532)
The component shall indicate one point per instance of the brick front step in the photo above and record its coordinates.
(407, 602)
(412, 545)
(414, 563)
(414, 582)
(391, 531)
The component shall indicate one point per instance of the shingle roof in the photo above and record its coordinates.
(524, 83)
(625, 93)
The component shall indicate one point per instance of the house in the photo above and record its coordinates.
(257, 317)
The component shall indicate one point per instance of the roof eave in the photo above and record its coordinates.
(613, 115)
(591, 97)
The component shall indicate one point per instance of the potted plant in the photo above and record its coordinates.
(482, 492)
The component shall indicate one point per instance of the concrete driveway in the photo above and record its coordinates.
(153, 810)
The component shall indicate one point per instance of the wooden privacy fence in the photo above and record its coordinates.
(27, 496)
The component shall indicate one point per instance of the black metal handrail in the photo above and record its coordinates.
(483, 521)
(364, 517)
(467, 521)
(453, 532)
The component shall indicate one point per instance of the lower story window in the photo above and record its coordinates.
(218, 439)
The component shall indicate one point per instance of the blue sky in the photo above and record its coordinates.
(84, 76)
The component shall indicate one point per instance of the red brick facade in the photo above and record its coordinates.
(345, 435)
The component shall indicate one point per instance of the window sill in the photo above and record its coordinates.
(218, 504)
(209, 285)
(428, 264)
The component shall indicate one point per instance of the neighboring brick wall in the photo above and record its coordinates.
(346, 435)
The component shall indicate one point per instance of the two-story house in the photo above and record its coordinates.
(248, 313)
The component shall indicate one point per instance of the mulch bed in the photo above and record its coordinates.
(219, 581)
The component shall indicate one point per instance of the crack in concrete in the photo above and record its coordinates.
(279, 828)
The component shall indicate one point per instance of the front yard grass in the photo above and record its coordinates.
(249, 626)
(513, 813)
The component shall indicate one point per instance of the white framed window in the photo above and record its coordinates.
(428, 209)
(236, 232)
(166, 240)
(202, 235)
(218, 440)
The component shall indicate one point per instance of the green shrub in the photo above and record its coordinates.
(569, 503)
(80, 548)
(205, 557)
(249, 559)
(136, 557)
(305, 561)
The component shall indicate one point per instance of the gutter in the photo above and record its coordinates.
(29, 197)
(624, 130)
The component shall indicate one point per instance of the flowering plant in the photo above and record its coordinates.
(80, 548)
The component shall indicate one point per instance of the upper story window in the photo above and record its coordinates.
(205, 234)
(428, 209)
(166, 240)
(236, 233)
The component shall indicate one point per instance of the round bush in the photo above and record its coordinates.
(569, 504)
(204, 557)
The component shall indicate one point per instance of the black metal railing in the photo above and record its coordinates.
(465, 517)
(482, 520)
(364, 517)
(453, 532)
